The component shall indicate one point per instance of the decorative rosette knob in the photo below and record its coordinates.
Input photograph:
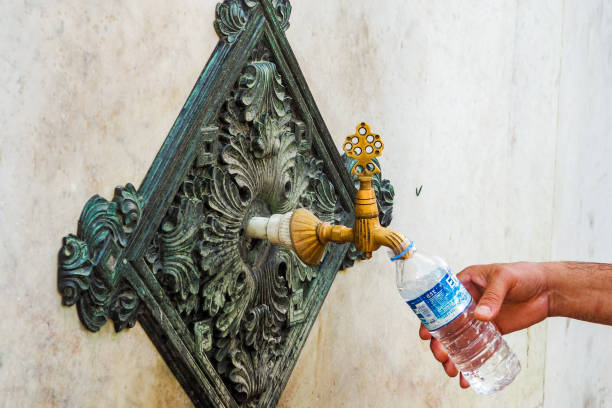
(363, 146)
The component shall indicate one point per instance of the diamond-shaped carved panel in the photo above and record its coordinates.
(228, 313)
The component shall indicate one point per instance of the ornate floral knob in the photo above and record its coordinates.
(364, 146)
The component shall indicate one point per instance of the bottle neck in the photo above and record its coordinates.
(406, 253)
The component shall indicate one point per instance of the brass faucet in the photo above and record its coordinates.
(303, 232)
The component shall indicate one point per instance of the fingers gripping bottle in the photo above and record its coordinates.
(446, 309)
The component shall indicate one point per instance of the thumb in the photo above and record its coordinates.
(491, 301)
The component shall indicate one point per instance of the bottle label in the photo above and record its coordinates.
(441, 304)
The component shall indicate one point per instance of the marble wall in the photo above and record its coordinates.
(579, 355)
(500, 110)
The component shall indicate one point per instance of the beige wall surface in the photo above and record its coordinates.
(500, 110)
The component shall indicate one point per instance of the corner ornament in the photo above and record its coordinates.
(88, 273)
(232, 16)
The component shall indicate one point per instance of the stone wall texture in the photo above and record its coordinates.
(501, 111)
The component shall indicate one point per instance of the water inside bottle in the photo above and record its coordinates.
(479, 352)
(474, 346)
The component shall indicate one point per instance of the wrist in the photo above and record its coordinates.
(553, 272)
(568, 287)
(580, 290)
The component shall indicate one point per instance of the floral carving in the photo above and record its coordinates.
(242, 295)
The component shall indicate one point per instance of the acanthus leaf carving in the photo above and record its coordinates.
(231, 20)
(178, 271)
(263, 92)
(250, 293)
(283, 12)
(232, 16)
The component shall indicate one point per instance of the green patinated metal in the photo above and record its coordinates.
(228, 313)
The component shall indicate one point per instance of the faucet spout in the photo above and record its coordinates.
(308, 236)
(393, 240)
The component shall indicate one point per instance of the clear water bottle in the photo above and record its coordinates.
(446, 309)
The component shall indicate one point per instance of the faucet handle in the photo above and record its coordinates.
(364, 146)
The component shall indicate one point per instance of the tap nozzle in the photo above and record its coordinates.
(308, 236)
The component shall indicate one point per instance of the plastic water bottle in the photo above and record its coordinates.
(446, 309)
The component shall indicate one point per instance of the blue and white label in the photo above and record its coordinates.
(441, 304)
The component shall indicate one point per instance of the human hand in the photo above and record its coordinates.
(513, 296)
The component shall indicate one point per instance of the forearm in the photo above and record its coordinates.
(580, 290)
